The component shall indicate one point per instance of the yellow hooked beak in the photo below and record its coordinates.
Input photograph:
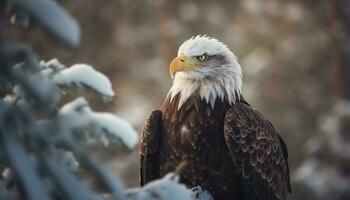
(182, 63)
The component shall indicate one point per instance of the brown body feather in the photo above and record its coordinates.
(221, 146)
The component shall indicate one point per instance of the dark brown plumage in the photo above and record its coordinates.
(227, 148)
(258, 152)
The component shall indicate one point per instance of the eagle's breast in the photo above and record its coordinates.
(195, 133)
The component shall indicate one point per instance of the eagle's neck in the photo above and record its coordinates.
(225, 85)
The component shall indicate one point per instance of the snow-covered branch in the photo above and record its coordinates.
(102, 126)
(168, 188)
(77, 74)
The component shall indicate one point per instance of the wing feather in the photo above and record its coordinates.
(258, 152)
(150, 145)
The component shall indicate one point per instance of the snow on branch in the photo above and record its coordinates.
(198, 193)
(77, 74)
(77, 115)
(167, 188)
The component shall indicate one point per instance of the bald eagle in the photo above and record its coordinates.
(231, 150)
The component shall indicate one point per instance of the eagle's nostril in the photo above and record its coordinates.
(182, 60)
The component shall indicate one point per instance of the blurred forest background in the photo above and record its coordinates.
(293, 55)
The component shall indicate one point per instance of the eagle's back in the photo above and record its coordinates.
(195, 133)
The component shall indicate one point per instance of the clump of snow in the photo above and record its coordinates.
(51, 67)
(77, 74)
(9, 98)
(198, 193)
(167, 188)
(82, 74)
(103, 126)
(67, 160)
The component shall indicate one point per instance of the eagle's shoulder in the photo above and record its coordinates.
(257, 150)
(242, 112)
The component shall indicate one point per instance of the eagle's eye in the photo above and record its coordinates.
(202, 57)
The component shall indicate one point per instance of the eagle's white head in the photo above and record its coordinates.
(206, 66)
